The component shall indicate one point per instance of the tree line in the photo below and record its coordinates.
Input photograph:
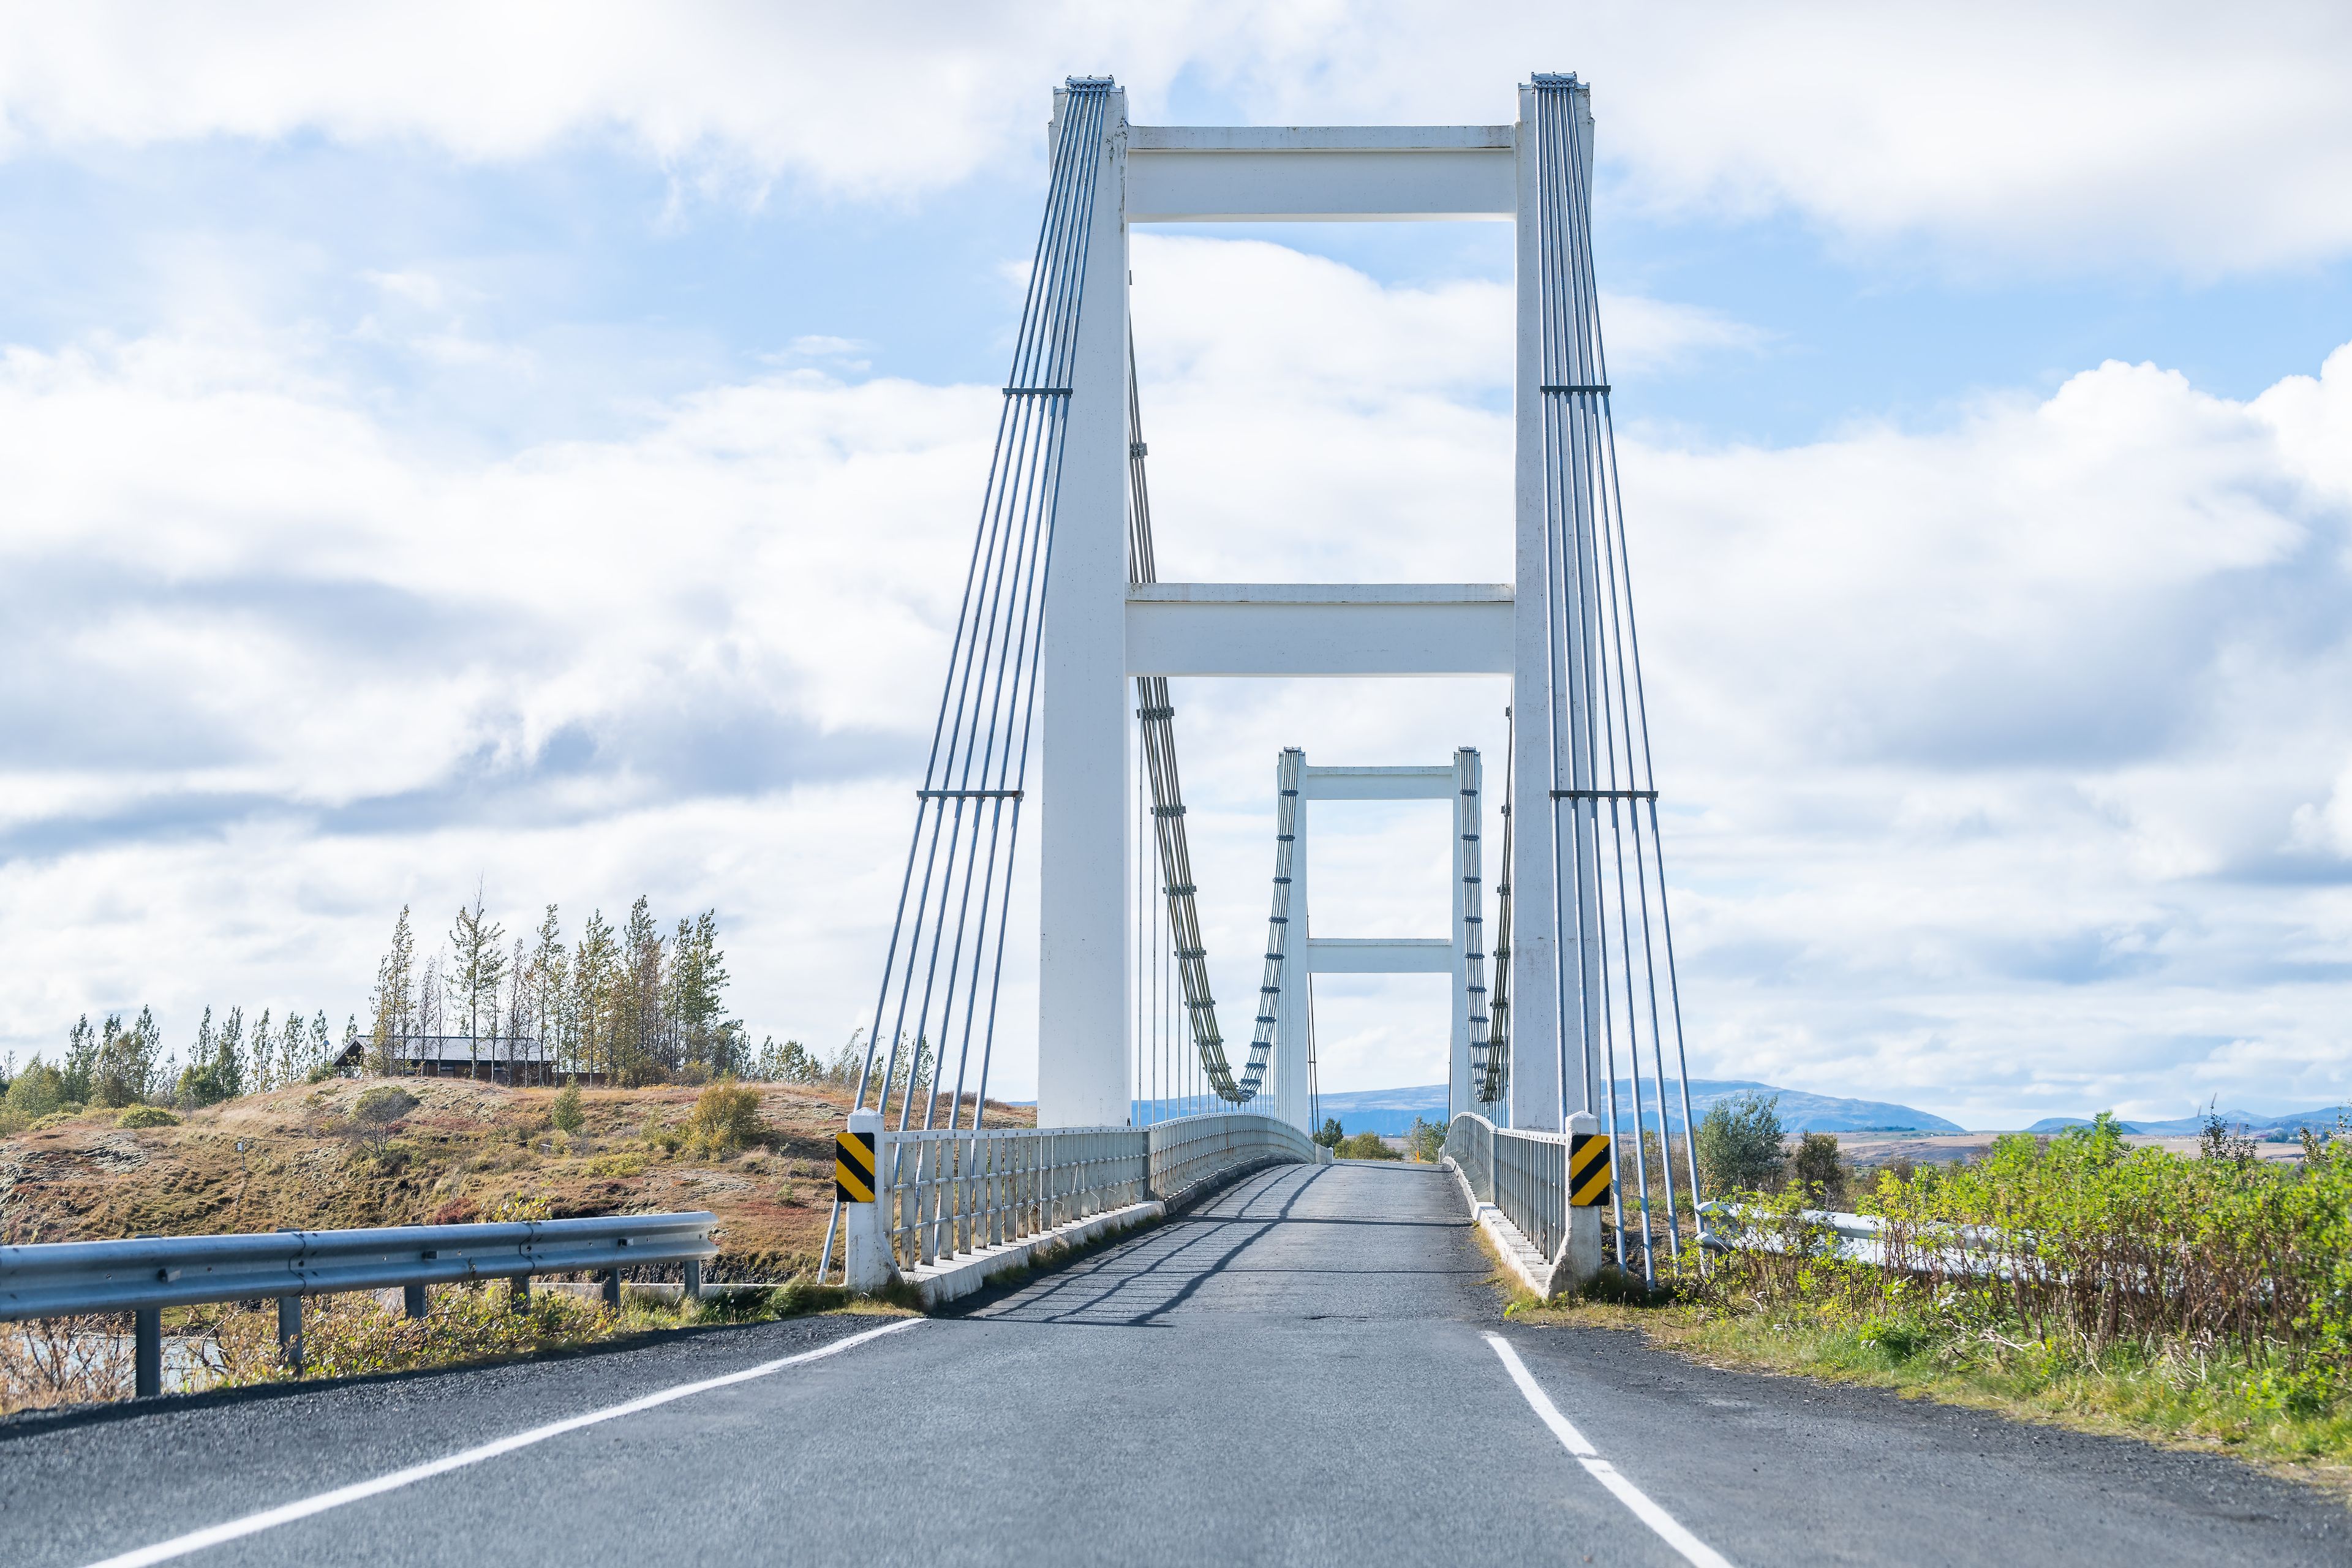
(632, 1003)
(116, 1063)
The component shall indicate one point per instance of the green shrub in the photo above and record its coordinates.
(1426, 1140)
(1331, 1134)
(2080, 1249)
(1365, 1146)
(726, 1118)
(566, 1112)
(377, 1112)
(146, 1116)
(36, 1092)
(1820, 1170)
(1739, 1144)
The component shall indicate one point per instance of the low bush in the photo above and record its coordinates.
(2077, 1252)
(146, 1116)
(1738, 1143)
(1426, 1140)
(355, 1335)
(1364, 1146)
(726, 1118)
(378, 1110)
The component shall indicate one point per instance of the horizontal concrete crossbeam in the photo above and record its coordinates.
(1378, 955)
(1376, 783)
(1319, 628)
(1251, 173)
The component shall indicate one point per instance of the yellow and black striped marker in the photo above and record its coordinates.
(1588, 1169)
(853, 1168)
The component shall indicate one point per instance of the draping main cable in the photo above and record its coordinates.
(1490, 1050)
(1157, 716)
(946, 959)
(1604, 798)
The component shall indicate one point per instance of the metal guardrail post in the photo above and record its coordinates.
(411, 1300)
(147, 1353)
(289, 1333)
(693, 1291)
(519, 1291)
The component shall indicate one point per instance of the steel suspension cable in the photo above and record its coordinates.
(943, 970)
(1601, 755)
(1155, 715)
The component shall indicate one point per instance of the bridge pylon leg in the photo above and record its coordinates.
(1083, 1014)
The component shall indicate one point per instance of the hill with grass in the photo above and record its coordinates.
(437, 1150)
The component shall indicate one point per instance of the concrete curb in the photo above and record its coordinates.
(939, 1282)
(1535, 1271)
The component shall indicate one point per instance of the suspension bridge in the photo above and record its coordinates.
(1565, 1017)
(1271, 1357)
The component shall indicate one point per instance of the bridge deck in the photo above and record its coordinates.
(1297, 1373)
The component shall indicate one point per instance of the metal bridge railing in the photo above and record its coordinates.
(1523, 1174)
(944, 1195)
(1194, 1153)
(950, 1192)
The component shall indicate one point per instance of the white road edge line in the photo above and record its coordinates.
(269, 1519)
(1645, 1509)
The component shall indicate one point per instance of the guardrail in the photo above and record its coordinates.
(1194, 1154)
(948, 1194)
(1521, 1173)
(143, 1276)
(1862, 1238)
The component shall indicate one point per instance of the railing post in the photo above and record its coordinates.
(1578, 1262)
(411, 1300)
(289, 1333)
(519, 1291)
(147, 1351)
(865, 1243)
(693, 1291)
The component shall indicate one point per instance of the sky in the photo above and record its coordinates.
(531, 448)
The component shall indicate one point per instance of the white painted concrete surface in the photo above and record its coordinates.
(1319, 629)
(1320, 175)
(1083, 820)
(938, 1282)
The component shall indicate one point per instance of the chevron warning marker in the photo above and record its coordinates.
(1588, 1169)
(853, 1168)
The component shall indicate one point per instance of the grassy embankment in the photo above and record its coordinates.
(2202, 1302)
(464, 1151)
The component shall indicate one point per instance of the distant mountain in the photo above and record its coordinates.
(1392, 1110)
(2323, 1120)
(2060, 1123)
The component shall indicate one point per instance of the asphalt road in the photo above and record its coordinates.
(1303, 1372)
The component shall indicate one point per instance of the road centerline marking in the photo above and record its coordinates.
(358, 1491)
(1645, 1508)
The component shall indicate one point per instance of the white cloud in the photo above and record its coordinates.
(2090, 135)
(2005, 760)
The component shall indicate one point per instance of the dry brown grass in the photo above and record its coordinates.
(469, 1151)
(65, 1361)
